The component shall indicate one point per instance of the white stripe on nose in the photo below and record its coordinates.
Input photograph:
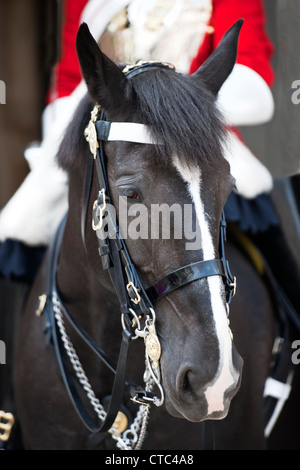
(226, 375)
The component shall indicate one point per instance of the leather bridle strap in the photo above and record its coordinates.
(185, 275)
(71, 382)
(124, 131)
(195, 271)
(69, 379)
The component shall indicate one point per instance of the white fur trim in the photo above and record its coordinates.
(34, 212)
(251, 176)
(60, 112)
(245, 98)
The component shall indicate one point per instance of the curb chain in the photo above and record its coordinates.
(129, 440)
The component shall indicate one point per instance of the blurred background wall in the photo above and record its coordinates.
(27, 51)
(278, 142)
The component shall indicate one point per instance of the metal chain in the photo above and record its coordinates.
(145, 419)
(130, 439)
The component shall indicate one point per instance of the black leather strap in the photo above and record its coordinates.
(208, 435)
(184, 276)
(119, 382)
(70, 381)
(103, 128)
(135, 69)
(86, 194)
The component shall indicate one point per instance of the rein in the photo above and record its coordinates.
(136, 302)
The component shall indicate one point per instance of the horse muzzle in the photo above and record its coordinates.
(193, 398)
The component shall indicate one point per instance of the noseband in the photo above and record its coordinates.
(136, 302)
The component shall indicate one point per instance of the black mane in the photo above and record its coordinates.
(180, 112)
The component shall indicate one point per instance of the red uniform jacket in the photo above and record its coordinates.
(254, 49)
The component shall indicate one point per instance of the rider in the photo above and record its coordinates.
(130, 30)
(256, 216)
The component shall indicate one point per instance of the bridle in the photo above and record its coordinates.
(136, 302)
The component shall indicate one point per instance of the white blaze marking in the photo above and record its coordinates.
(226, 375)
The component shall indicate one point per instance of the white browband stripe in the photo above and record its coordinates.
(128, 132)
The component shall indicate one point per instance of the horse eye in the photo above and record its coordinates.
(130, 193)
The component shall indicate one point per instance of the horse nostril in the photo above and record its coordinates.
(188, 383)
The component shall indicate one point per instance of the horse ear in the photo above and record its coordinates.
(105, 81)
(220, 63)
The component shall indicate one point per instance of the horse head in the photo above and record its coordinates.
(183, 172)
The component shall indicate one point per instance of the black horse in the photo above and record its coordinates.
(164, 298)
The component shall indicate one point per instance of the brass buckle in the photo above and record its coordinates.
(137, 299)
(139, 401)
(42, 303)
(141, 63)
(101, 207)
(121, 422)
(6, 423)
(232, 285)
(90, 132)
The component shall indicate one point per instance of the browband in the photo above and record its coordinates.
(124, 131)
